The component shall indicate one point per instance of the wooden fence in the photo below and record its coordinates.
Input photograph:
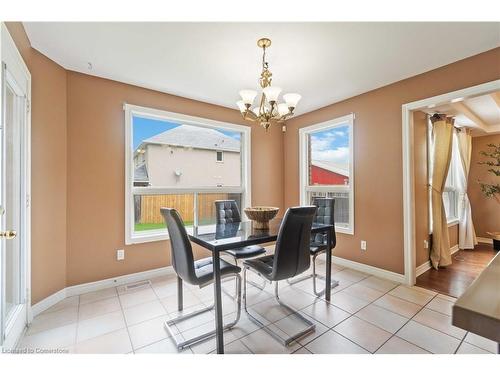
(149, 206)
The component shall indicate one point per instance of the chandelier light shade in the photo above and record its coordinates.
(268, 107)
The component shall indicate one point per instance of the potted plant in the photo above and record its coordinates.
(492, 190)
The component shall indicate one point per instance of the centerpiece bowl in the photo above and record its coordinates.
(261, 215)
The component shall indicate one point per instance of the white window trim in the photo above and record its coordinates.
(304, 178)
(455, 163)
(219, 161)
(157, 235)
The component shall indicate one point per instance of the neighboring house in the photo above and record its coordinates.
(188, 156)
(329, 173)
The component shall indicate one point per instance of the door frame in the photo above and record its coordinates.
(408, 169)
(11, 56)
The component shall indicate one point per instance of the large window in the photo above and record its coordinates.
(182, 162)
(326, 167)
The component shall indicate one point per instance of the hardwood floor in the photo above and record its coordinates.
(455, 279)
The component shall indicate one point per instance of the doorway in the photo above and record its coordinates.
(414, 241)
(14, 194)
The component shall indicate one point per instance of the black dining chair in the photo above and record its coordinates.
(324, 215)
(291, 258)
(199, 273)
(227, 212)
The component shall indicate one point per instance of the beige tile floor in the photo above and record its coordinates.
(366, 315)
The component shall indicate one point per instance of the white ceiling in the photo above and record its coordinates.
(211, 62)
(480, 113)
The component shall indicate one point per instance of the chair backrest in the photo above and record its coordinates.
(325, 215)
(181, 250)
(227, 211)
(291, 254)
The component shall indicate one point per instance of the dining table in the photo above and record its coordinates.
(478, 309)
(220, 237)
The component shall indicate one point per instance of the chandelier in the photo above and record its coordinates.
(268, 109)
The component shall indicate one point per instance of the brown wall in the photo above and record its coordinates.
(96, 162)
(48, 168)
(485, 211)
(78, 190)
(378, 155)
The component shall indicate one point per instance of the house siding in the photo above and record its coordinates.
(197, 167)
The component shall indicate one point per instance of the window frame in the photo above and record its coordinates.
(217, 157)
(455, 163)
(132, 237)
(306, 188)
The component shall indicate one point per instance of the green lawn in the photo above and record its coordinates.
(153, 226)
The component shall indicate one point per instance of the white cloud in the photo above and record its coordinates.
(323, 142)
(339, 155)
(320, 144)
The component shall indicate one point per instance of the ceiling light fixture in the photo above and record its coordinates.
(268, 109)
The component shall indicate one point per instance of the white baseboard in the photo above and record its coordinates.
(423, 268)
(75, 290)
(427, 265)
(485, 240)
(47, 302)
(375, 271)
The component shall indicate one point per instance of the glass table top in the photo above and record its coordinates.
(228, 236)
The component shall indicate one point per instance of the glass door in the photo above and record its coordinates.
(11, 202)
(14, 189)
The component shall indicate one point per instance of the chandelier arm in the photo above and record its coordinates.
(262, 103)
(249, 115)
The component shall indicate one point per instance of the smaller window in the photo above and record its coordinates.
(327, 168)
(220, 156)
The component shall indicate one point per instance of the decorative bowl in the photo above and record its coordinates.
(261, 216)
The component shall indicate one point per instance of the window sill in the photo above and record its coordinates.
(162, 235)
(147, 237)
(344, 230)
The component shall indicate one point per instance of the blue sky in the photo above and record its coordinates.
(144, 128)
(331, 145)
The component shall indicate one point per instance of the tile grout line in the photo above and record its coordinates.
(461, 342)
(348, 317)
(392, 334)
(354, 314)
(289, 288)
(125, 320)
(476, 346)
(169, 317)
(410, 320)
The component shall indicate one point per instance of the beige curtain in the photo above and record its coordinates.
(442, 135)
(466, 233)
